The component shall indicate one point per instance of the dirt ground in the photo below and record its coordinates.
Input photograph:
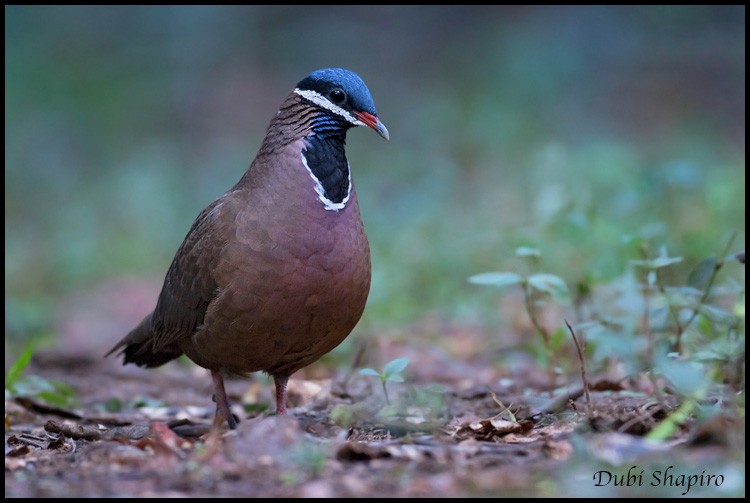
(458, 426)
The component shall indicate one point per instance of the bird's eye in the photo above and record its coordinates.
(337, 96)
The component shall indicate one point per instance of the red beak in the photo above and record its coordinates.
(373, 122)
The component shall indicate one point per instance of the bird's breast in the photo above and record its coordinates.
(293, 277)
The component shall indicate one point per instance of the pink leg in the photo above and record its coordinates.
(223, 413)
(280, 382)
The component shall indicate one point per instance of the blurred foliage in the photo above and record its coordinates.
(577, 130)
(538, 290)
(19, 385)
(691, 331)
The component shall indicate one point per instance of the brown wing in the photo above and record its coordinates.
(189, 285)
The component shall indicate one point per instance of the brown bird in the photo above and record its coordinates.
(275, 273)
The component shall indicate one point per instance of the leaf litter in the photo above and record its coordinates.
(478, 432)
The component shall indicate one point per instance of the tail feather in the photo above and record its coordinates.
(137, 347)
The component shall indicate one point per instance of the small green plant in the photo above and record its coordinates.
(391, 372)
(14, 373)
(684, 303)
(684, 332)
(538, 288)
(16, 384)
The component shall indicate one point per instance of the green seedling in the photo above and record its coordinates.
(391, 372)
(537, 289)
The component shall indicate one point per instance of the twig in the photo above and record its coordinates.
(561, 401)
(504, 408)
(95, 432)
(41, 408)
(77, 432)
(582, 360)
(555, 404)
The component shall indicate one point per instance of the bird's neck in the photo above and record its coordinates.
(323, 155)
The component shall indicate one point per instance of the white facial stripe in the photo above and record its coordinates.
(324, 102)
(327, 203)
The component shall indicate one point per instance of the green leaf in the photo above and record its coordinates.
(53, 392)
(687, 377)
(15, 371)
(394, 367)
(525, 251)
(369, 372)
(656, 263)
(683, 297)
(550, 284)
(498, 279)
(717, 315)
(32, 385)
(58, 397)
(394, 378)
(62, 388)
(672, 423)
(701, 275)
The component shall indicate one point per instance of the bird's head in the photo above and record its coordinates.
(343, 93)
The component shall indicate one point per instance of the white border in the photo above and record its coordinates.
(329, 205)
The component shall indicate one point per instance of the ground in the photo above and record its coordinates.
(458, 426)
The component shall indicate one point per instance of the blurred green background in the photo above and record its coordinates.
(568, 129)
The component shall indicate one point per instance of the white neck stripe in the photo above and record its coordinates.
(327, 203)
(324, 102)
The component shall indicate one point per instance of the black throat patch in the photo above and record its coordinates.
(326, 161)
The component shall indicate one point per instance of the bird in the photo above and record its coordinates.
(276, 272)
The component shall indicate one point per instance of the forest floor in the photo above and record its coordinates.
(464, 423)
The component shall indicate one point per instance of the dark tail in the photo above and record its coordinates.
(137, 347)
